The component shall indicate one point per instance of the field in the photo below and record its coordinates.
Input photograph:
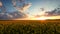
(29, 26)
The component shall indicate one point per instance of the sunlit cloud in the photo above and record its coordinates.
(17, 14)
(26, 6)
(0, 4)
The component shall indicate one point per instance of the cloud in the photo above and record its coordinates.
(0, 4)
(19, 13)
(42, 9)
(21, 0)
(13, 15)
(54, 12)
(14, 2)
(26, 6)
(22, 8)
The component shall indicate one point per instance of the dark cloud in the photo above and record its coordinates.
(13, 15)
(54, 12)
(42, 9)
(21, 0)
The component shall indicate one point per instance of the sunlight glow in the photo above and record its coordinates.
(45, 18)
(40, 18)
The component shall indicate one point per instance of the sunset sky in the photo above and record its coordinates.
(46, 4)
(9, 9)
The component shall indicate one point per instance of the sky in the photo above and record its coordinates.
(29, 7)
(46, 4)
(36, 4)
